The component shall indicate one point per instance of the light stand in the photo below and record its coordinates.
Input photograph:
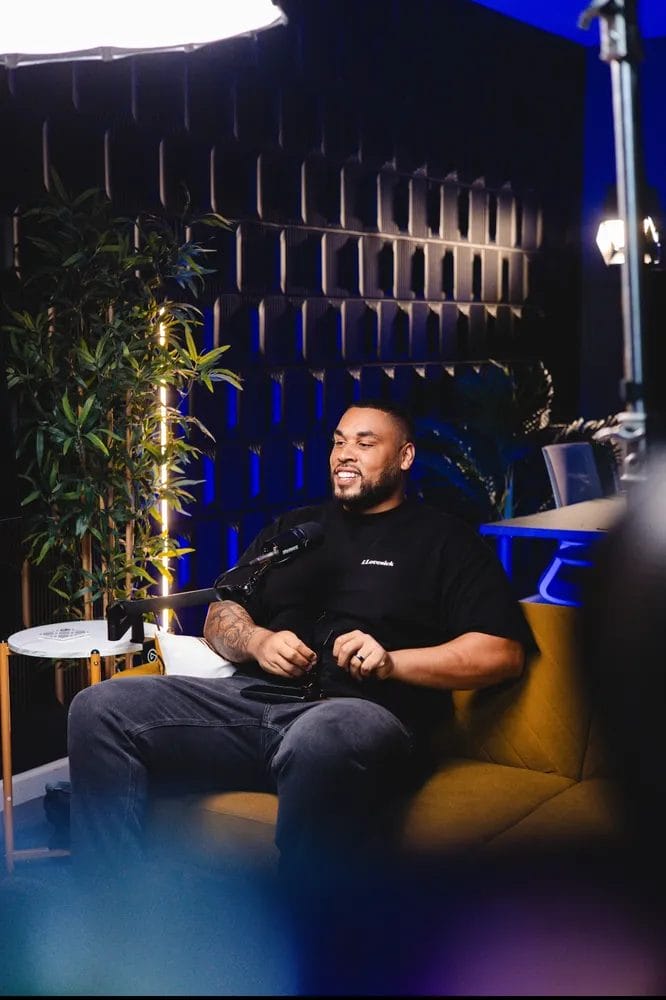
(618, 31)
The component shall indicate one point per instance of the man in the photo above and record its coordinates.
(346, 654)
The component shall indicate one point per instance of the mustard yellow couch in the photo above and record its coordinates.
(520, 765)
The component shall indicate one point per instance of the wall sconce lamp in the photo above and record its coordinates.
(610, 240)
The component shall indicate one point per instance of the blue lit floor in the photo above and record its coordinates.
(31, 827)
(38, 875)
(188, 932)
(223, 938)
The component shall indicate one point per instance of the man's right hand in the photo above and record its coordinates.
(281, 653)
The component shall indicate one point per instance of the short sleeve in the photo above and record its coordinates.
(478, 595)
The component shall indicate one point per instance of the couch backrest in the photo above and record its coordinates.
(544, 720)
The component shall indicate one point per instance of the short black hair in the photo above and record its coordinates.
(398, 411)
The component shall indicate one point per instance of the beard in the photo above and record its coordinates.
(370, 495)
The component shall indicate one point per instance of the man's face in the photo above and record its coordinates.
(368, 460)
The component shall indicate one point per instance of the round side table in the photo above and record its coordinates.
(73, 640)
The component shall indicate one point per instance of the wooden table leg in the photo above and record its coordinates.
(7, 780)
(95, 667)
(59, 681)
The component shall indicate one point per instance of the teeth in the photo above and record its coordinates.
(346, 475)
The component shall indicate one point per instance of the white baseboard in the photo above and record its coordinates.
(31, 784)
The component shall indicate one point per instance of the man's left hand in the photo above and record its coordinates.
(362, 656)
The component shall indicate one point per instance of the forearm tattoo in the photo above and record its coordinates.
(228, 629)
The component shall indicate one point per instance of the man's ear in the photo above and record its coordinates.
(408, 455)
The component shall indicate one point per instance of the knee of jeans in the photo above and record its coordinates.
(342, 734)
(88, 708)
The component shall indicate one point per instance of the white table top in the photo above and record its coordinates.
(73, 640)
(575, 522)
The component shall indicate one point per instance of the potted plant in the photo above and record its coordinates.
(482, 459)
(101, 324)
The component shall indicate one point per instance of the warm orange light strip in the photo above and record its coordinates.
(164, 507)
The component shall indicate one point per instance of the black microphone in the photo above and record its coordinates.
(236, 583)
(289, 543)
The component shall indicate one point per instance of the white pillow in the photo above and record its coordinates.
(191, 656)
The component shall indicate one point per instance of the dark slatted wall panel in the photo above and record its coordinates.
(379, 238)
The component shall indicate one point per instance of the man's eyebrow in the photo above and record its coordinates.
(360, 434)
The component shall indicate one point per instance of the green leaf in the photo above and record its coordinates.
(202, 427)
(224, 375)
(85, 410)
(46, 548)
(214, 354)
(39, 446)
(67, 409)
(175, 552)
(215, 219)
(97, 441)
(142, 572)
(74, 258)
(191, 346)
(31, 497)
(58, 185)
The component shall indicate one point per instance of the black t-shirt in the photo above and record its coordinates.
(411, 577)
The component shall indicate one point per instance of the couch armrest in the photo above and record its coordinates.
(152, 667)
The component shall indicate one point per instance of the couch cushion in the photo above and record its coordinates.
(588, 812)
(466, 803)
(223, 829)
(143, 669)
(540, 721)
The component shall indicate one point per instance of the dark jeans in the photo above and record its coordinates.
(336, 764)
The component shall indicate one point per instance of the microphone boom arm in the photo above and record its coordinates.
(235, 584)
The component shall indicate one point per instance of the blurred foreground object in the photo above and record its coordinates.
(623, 637)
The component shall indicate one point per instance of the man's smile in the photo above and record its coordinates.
(346, 475)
